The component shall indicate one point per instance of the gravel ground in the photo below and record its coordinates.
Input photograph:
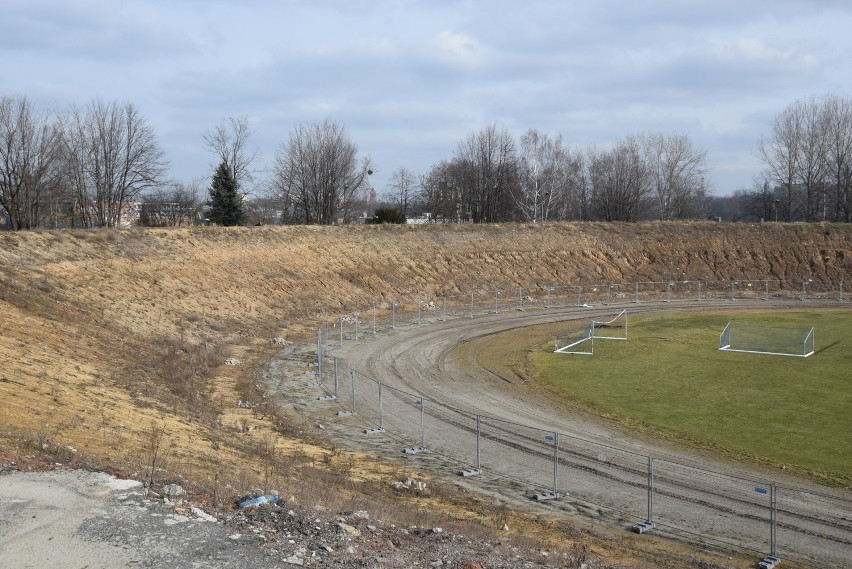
(80, 519)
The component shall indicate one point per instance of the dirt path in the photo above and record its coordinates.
(600, 472)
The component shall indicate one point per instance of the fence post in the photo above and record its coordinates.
(555, 464)
(422, 424)
(648, 524)
(478, 468)
(636, 299)
(352, 380)
(650, 490)
(772, 560)
(319, 354)
(381, 427)
(414, 450)
(381, 410)
(773, 501)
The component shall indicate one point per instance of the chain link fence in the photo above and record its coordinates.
(585, 476)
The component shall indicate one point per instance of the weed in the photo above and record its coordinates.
(154, 437)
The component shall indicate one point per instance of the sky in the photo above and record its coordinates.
(409, 79)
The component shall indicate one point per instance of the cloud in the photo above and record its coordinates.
(457, 48)
(90, 29)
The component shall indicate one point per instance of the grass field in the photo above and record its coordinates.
(670, 378)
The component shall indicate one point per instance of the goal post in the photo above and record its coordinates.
(582, 343)
(776, 341)
(613, 329)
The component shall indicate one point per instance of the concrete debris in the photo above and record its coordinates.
(348, 530)
(232, 362)
(172, 491)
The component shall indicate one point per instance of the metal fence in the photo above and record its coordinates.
(645, 491)
(387, 314)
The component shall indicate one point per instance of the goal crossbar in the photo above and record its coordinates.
(774, 341)
(585, 344)
(617, 324)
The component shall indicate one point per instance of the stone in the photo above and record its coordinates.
(172, 491)
(349, 531)
(202, 515)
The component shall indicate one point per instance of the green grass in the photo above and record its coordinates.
(671, 379)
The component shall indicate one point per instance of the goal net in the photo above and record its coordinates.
(584, 342)
(755, 339)
(577, 343)
(613, 329)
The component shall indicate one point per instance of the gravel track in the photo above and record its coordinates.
(600, 471)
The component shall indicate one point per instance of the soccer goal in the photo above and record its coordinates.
(613, 329)
(584, 342)
(755, 339)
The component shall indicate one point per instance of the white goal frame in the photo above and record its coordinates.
(588, 340)
(807, 342)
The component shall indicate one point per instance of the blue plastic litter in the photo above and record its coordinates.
(259, 501)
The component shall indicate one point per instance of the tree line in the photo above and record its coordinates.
(807, 159)
(93, 166)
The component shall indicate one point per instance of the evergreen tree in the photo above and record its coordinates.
(225, 205)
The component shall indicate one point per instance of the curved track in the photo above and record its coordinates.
(595, 469)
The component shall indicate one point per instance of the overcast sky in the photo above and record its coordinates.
(409, 79)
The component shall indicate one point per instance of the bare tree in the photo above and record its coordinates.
(779, 154)
(812, 163)
(619, 180)
(230, 142)
(439, 194)
(320, 173)
(173, 206)
(678, 172)
(488, 169)
(112, 155)
(29, 161)
(838, 121)
(545, 178)
(402, 189)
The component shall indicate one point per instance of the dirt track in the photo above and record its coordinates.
(601, 472)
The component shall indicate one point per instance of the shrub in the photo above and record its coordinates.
(388, 215)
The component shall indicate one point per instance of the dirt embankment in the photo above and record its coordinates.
(113, 338)
(87, 306)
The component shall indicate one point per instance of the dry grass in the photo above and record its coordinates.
(112, 337)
